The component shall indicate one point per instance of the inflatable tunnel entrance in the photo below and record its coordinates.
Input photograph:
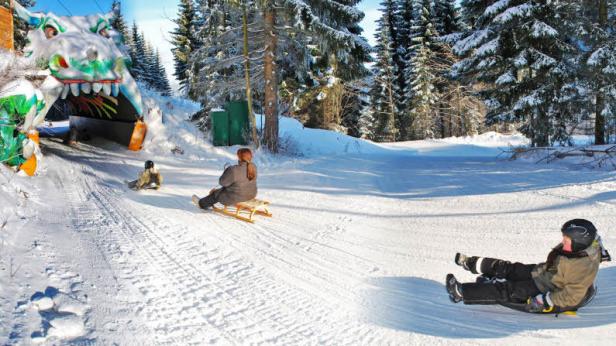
(100, 115)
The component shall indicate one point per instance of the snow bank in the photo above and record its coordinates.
(599, 157)
(299, 140)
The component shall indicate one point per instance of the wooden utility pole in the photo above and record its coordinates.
(271, 79)
(6, 27)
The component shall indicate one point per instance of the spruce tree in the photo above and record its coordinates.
(117, 21)
(520, 52)
(407, 11)
(447, 18)
(137, 54)
(184, 41)
(599, 61)
(160, 80)
(382, 95)
(21, 27)
(425, 69)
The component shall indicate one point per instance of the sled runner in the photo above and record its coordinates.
(244, 211)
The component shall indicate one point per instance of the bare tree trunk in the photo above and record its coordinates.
(271, 80)
(251, 116)
(600, 97)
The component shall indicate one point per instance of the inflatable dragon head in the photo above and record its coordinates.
(85, 64)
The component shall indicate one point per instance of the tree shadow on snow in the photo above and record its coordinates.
(422, 306)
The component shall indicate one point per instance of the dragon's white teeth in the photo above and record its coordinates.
(107, 89)
(86, 87)
(96, 87)
(115, 89)
(75, 89)
(65, 91)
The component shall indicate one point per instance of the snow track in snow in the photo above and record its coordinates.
(356, 252)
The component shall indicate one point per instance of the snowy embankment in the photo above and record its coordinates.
(355, 254)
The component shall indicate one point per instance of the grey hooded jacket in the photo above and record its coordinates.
(235, 185)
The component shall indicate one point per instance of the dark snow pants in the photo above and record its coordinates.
(209, 200)
(516, 288)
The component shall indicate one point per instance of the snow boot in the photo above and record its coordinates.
(467, 262)
(453, 289)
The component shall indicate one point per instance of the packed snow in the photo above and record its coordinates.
(356, 253)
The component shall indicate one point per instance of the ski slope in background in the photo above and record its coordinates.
(362, 237)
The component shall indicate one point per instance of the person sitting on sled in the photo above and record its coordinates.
(564, 282)
(150, 178)
(239, 183)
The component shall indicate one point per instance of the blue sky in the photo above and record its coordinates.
(76, 7)
(154, 18)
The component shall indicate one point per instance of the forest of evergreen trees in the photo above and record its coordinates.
(145, 64)
(440, 68)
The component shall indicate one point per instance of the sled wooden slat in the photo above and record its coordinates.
(245, 211)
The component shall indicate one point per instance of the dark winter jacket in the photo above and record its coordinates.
(568, 276)
(235, 185)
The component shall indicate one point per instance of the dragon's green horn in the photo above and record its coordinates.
(31, 18)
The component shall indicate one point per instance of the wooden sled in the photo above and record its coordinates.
(245, 211)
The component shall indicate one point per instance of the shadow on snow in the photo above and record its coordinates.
(422, 306)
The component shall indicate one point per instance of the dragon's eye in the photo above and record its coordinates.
(50, 32)
(104, 33)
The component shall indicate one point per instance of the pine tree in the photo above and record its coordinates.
(425, 71)
(332, 75)
(21, 27)
(407, 11)
(150, 69)
(382, 94)
(137, 54)
(216, 68)
(447, 19)
(472, 13)
(599, 61)
(162, 82)
(118, 23)
(520, 52)
(184, 41)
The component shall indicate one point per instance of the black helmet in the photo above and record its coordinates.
(582, 233)
(149, 164)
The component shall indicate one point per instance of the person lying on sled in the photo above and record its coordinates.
(150, 178)
(564, 282)
(239, 183)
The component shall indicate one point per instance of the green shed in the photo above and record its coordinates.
(220, 127)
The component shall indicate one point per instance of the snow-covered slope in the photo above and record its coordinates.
(356, 253)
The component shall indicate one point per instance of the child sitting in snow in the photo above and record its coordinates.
(564, 282)
(239, 183)
(150, 178)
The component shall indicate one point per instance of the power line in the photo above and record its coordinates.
(99, 6)
(67, 10)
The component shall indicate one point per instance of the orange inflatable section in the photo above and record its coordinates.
(138, 136)
(34, 136)
(29, 167)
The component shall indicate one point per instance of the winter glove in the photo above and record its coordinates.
(540, 303)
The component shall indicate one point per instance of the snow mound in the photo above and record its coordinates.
(596, 157)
